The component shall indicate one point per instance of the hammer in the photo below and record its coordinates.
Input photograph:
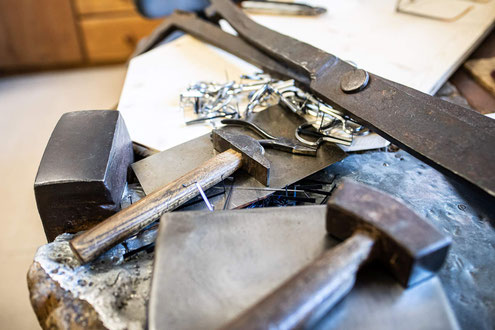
(236, 151)
(83, 172)
(377, 227)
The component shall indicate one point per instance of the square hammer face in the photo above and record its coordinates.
(83, 172)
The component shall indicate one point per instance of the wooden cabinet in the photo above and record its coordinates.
(37, 34)
(110, 29)
(113, 39)
(103, 6)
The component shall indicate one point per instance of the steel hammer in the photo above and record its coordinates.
(236, 151)
(377, 227)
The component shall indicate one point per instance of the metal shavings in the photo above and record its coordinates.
(209, 101)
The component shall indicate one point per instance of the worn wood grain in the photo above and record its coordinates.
(118, 227)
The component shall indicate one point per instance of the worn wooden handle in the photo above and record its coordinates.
(129, 221)
(312, 292)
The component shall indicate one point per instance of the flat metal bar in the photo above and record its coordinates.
(300, 56)
(452, 138)
(210, 33)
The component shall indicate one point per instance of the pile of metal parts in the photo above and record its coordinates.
(79, 187)
(211, 101)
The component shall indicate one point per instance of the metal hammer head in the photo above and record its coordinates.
(83, 172)
(411, 248)
(252, 152)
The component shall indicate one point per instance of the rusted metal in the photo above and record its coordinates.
(455, 140)
(450, 137)
(375, 226)
(208, 32)
(253, 159)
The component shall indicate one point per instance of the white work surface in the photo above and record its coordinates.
(418, 52)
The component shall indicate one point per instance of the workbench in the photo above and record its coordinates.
(113, 291)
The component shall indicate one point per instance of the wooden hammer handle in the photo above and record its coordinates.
(312, 292)
(129, 221)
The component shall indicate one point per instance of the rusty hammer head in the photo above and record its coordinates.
(253, 159)
(411, 248)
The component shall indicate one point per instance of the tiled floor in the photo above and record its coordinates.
(30, 106)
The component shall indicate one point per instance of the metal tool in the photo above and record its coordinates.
(83, 172)
(338, 137)
(286, 168)
(210, 267)
(270, 141)
(160, 8)
(374, 226)
(236, 151)
(429, 128)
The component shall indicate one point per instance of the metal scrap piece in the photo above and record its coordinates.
(286, 168)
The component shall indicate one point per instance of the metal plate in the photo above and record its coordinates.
(211, 266)
(160, 169)
(463, 213)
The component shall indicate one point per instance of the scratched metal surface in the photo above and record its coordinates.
(156, 171)
(457, 210)
(454, 209)
(211, 266)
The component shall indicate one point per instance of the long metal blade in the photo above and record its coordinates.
(450, 137)
(208, 32)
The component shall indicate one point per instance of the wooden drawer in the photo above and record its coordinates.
(114, 39)
(85, 7)
(36, 34)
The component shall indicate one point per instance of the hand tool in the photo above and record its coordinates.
(267, 7)
(374, 226)
(236, 151)
(451, 138)
(339, 136)
(83, 172)
(286, 168)
(210, 267)
(270, 141)
(160, 8)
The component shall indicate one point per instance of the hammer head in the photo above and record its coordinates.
(253, 159)
(83, 172)
(410, 247)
